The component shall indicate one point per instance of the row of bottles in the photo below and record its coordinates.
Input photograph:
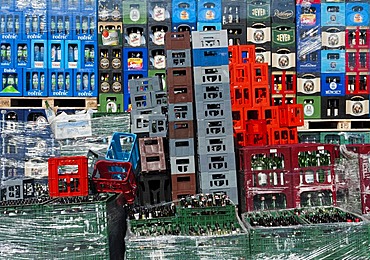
(165, 210)
(10, 25)
(314, 158)
(272, 219)
(264, 162)
(319, 215)
(205, 200)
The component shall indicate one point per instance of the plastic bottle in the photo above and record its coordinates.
(42, 81)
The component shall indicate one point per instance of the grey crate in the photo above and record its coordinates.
(147, 111)
(182, 147)
(140, 124)
(180, 112)
(209, 39)
(212, 110)
(212, 92)
(159, 98)
(211, 75)
(216, 144)
(145, 85)
(214, 127)
(182, 165)
(216, 162)
(158, 126)
(17, 189)
(223, 180)
(141, 100)
(178, 58)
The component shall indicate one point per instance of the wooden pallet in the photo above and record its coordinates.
(39, 102)
(332, 125)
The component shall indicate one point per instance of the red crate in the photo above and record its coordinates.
(240, 74)
(177, 40)
(295, 115)
(357, 61)
(293, 135)
(256, 132)
(271, 114)
(259, 74)
(253, 113)
(260, 95)
(241, 95)
(283, 99)
(240, 138)
(115, 177)
(233, 54)
(357, 83)
(278, 135)
(238, 118)
(314, 196)
(283, 116)
(68, 176)
(241, 54)
(182, 185)
(284, 82)
(355, 38)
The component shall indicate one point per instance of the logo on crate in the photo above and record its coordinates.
(260, 58)
(85, 94)
(259, 35)
(210, 15)
(110, 37)
(10, 70)
(283, 37)
(159, 37)
(85, 37)
(34, 36)
(9, 37)
(134, 14)
(308, 19)
(333, 89)
(333, 40)
(35, 93)
(283, 61)
(283, 15)
(357, 108)
(308, 86)
(259, 12)
(60, 93)
(309, 109)
(159, 13)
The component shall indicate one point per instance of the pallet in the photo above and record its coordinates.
(39, 102)
(323, 125)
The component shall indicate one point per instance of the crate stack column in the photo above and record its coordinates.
(181, 115)
(110, 63)
(234, 21)
(333, 60)
(357, 60)
(283, 72)
(215, 148)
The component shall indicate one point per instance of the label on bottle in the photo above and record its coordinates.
(116, 63)
(309, 177)
(104, 87)
(116, 15)
(159, 14)
(116, 86)
(104, 63)
(134, 39)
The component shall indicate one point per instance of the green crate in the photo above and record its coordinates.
(134, 12)
(345, 137)
(162, 73)
(111, 103)
(311, 106)
(309, 137)
(332, 138)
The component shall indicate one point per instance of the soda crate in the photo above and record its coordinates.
(209, 11)
(182, 185)
(333, 61)
(148, 125)
(180, 77)
(309, 137)
(145, 85)
(240, 74)
(159, 99)
(333, 84)
(34, 82)
(311, 106)
(135, 36)
(203, 27)
(8, 5)
(182, 165)
(22, 51)
(236, 33)
(39, 57)
(180, 94)
(207, 57)
(110, 81)
(154, 188)
(85, 83)
(333, 107)
(73, 6)
(58, 25)
(158, 126)
(157, 58)
(209, 40)
(284, 82)
(132, 75)
(308, 62)
(355, 10)
(260, 96)
(260, 74)
(284, 59)
(212, 92)
(214, 127)
(7, 53)
(259, 12)
(181, 129)
(90, 54)
(57, 54)
(308, 59)
(60, 83)
(178, 58)
(234, 12)
(184, 13)
(84, 26)
(110, 33)
(56, 5)
(181, 147)
(110, 103)
(333, 14)
(180, 112)
(134, 12)
(177, 40)
(11, 25)
(72, 52)
(156, 33)
(308, 15)
(211, 75)
(357, 106)
(259, 34)
(333, 37)
(283, 36)
(309, 83)
(135, 59)
(12, 82)
(108, 11)
(283, 12)
(357, 83)
(357, 61)
(357, 37)
(222, 144)
(159, 12)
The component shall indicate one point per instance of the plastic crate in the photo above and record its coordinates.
(212, 92)
(178, 58)
(181, 147)
(214, 127)
(145, 85)
(213, 110)
(182, 165)
(181, 129)
(154, 189)
(152, 154)
(221, 144)
(216, 162)
(210, 57)
(180, 112)
(211, 75)
(182, 185)
(211, 39)
(177, 40)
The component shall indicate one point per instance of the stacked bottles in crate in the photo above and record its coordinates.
(283, 71)
(357, 60)
(180, 114)
(111, 57)
(288, 176)
(184, 15)
(215, 149)
(257, 122)
(149, 107)
(234, 21)
(209, 15)
(308, 31)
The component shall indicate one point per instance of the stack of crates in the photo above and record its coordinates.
(149, 107)
(234, 21)
(216, 155)
(283, 72)
(184, 15)
(209, 15)
(180, 112)
(110, 60)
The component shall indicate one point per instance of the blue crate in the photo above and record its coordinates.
(90, 52)
(333, 61)
(11, 82)
(203, 26)
(181, 27)
(56, 57)
(88, 5)
(85, 83)
(357, 14)
(184, 12)
(135, 59)
(10, 25)
(210, 57)
(7, 5)
(35, 82)
(124, 147)
(333, 14)
(209, 11)
(60, 83)
(39, 54)
(56, 5)
(333, 84)
(84, 26)
(73, 5)
(127, 102)
(23, 53)
(7, 53)
(34, 25)
(59, 25)
(308, 15)
(127, 75)
(73, 54)
(309, 49)
(21, 5)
